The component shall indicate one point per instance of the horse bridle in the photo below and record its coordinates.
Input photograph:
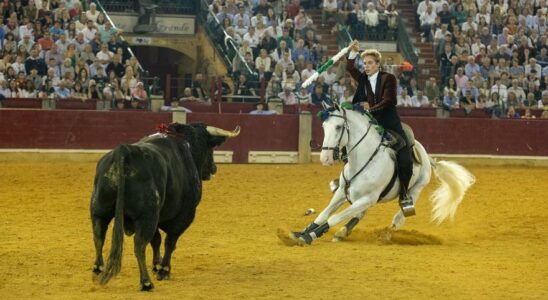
(336, 148)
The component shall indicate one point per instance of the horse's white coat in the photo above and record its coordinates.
(365, 189)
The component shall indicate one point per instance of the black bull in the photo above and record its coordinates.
(153, 184)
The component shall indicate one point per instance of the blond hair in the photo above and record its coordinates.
(372, 52)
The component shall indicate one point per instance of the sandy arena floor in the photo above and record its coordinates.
(497, 248)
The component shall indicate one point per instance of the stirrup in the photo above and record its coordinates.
(407, 207)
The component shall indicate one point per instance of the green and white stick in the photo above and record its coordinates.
(325, 66)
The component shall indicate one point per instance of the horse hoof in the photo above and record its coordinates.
(163, 273)
(147, 286)
(290, 238)
(156, 268)
(97, 269)
(340, 235)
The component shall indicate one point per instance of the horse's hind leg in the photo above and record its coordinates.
(347, 228)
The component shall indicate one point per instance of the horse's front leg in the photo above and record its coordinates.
(294, 238)
(347, 228)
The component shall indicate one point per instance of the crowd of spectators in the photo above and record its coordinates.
(491, 54)
(65, 49)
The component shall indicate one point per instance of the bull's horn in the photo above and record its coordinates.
(221, 132)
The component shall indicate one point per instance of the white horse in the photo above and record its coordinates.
(368, 176)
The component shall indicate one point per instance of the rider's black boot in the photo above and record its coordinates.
(406, 203)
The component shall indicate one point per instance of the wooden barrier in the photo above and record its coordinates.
(81, 129)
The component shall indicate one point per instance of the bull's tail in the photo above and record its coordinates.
(455, 181)
(114, 263)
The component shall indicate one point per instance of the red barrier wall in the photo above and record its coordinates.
(473, 136)
(259, 133)
(63, 129)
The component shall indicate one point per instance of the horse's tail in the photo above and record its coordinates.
(114, 263)
(455, 181)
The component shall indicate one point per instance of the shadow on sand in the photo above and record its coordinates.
(386, 236)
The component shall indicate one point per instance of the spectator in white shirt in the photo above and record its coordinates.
(329, 10)
(90, 31)
(92, 13)
(533, 66)
(403, 99)
(420, 100)
(427, 19)
(371, 16)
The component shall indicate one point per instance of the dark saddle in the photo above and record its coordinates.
(396, 141)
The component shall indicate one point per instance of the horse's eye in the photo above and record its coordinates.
(339, 127)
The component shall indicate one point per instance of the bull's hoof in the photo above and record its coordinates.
(147, 286)
(97, 269)
(290, 238)
(156, 268)
(163, 273)
(340, 235)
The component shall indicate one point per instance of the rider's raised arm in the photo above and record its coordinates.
(350, 66)
(388, 97)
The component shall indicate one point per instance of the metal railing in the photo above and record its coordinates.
(151, 82)
(222, 41)
(180, 7)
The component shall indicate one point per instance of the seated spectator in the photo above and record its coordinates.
(319, 95)
(261, 108)
(420, 100)
(403, 100)
(115, 65)
(512, 113)
(61, 91)
(426, 21)
(174, 106)
(4, 89)
(27, 90)
(197, 88)
(267, 43)
(94, 91)
(371, 17)
(104, 56)
(287, 96)
(187, 95)
(303, 96)
(329, 10)
(347, 96)
(290, 77)
(46, 42)
(243, 88)
(128, 80)
(337, 90)
(47, 90)
(35, 61)
(77, 92)
(468, 102)
(92, 14)
(139, 92)
(67, 67)
(35, 78)
(451, 101)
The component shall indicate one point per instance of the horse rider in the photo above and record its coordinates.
(378, 88)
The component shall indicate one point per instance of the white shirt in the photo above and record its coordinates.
(373, 81)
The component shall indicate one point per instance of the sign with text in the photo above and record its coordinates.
(166, 24)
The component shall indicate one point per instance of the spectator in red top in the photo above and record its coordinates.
(293, 9)
(46, 42)
(76, 10)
